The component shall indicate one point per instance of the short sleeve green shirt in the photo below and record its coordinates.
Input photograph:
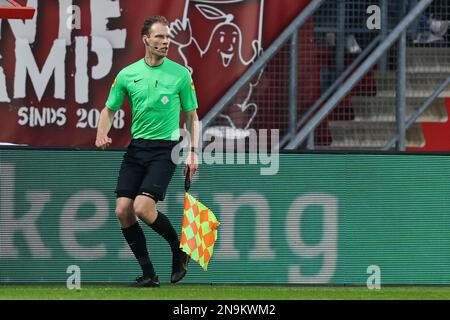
(156, 96)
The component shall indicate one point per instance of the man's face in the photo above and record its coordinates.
(157, 40)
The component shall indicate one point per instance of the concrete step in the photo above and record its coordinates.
(374, 122)
(428, 60)
(418, 85)
(374, 135)
(382, 109)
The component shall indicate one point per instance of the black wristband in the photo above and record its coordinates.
(194, 149)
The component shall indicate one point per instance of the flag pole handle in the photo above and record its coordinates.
(187, 182)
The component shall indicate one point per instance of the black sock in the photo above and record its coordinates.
(164, 228)
(136, 240)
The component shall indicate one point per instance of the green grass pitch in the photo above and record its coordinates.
(221, 292)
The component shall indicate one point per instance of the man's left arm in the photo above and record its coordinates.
(192, 125)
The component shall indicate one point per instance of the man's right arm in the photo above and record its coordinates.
(115, 99)
(104, 125)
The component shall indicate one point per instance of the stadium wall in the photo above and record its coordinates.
(322, 219)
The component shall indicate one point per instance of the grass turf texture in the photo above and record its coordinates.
(220, 292)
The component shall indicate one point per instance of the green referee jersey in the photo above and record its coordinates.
(156, 96)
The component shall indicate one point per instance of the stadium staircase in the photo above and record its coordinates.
(374, 116)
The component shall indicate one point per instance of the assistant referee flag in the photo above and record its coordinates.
(199, 231)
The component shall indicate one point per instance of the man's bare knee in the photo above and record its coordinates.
(125, 214)
(145, 209)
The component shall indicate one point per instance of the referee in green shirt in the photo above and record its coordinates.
(157, 89)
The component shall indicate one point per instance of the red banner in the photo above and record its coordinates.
(56, 69)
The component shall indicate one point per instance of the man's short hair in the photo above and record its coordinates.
(152, 20)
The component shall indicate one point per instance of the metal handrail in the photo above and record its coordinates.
(359, 73)
(419, 112)
(332, 88)
(261, 61)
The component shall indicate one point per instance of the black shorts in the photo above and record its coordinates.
(147, 169)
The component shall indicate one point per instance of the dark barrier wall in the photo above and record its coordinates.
(323, 218)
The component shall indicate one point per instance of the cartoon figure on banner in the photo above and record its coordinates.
(223, 45)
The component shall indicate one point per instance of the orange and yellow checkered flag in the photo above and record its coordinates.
(199, 231)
